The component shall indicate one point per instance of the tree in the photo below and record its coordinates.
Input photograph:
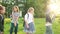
(39, 6)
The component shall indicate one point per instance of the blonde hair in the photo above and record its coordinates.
(4, 8)
(31, 8)
(16, 8)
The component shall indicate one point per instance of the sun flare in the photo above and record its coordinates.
(54, 6)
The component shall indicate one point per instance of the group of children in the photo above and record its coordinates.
(28, 20)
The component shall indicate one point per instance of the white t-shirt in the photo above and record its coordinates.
(16, 14)
(29, 17)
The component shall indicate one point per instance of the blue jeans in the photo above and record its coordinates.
(13, 27)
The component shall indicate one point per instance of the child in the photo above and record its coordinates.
(2, 11)
(15, 17)
(29, 21)
(48, 24)
(49, 20)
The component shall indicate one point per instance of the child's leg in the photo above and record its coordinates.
(12, 26)
(16, 29)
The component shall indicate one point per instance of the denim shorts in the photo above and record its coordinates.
(31, 28)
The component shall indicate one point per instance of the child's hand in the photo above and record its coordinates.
(15, 24)
(27, 26)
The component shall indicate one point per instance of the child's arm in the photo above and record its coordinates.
(13, 18)
(33, 19)
(16, 20)
(26, 22)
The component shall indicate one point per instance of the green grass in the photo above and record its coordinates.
(39, 26)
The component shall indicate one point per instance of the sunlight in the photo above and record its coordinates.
(54, 6)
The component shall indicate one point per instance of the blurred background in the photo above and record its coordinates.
(40, 6)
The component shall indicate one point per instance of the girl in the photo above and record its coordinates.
(29, 21)
(15, 17)
(2, 11)
(48, 24)
(49, 19)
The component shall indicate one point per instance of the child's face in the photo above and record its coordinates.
(15, 9)
(1, 11)
(4, 10)
(32, 11)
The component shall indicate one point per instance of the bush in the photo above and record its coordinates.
(7, 20)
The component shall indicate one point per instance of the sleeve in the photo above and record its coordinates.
(12, 14)
(0, 18)
(3, 21)
(25, 17)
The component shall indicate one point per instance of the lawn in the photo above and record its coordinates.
(39, 26)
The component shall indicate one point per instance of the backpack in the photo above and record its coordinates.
(24, 20)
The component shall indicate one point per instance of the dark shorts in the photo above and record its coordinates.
(13, 28)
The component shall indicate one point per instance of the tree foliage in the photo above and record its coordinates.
(39, 6)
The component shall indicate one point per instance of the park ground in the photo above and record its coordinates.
(39, 26)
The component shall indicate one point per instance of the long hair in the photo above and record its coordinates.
(16, 8)
(29, 10)
(1, 9)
